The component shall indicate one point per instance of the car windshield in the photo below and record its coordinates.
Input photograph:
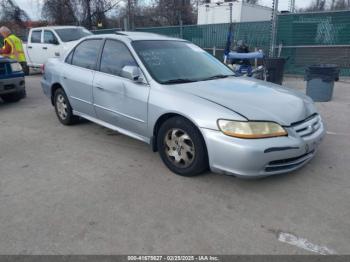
(72, 34)
(172, 62)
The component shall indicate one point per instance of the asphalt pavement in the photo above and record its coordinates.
(87, 190)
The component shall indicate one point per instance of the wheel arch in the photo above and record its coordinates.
(54, 87)
(164, 118)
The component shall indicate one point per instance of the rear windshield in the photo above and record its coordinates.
(72, 34)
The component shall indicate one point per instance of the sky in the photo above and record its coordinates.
(32, 7)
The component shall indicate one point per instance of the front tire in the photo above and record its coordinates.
(63, 108)
(182, 147)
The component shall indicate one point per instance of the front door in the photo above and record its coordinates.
(117, 100)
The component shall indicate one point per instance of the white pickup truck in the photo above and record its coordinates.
(50, 42)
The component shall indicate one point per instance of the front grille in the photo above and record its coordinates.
(308, 126)
(289, 163)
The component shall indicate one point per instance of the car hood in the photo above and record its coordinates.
(254, 99)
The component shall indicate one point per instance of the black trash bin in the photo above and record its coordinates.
(275, 69)
(320, 81)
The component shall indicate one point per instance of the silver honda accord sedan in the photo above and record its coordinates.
(186, 104)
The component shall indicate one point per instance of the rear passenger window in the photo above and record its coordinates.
(85, 54)
(114, 57)
(36, 37)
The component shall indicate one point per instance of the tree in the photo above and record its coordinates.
(89, 13)
(143, 13)
(316, 5)
(324, 5)
(95, 11)
(12, 13)
(174, 11)
(341, 5)
(59, 12)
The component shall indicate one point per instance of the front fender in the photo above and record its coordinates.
(201, 112)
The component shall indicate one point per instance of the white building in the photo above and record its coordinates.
(218, 11)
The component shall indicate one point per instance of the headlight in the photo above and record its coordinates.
(251, 130)
(16, 67)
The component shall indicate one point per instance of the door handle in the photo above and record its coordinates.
(30, 47)
(99, 86)
(45, 47)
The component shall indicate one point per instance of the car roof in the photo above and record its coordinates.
(135, 36)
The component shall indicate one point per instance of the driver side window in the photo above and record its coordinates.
(114, 57)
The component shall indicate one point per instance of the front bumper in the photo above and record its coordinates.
(252, 158)
(12, 85)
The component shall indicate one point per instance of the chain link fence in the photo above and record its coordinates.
(315, 38)
(303, 38)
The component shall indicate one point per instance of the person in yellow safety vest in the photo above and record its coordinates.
(13, 48)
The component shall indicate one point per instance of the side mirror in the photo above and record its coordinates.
(133, 73)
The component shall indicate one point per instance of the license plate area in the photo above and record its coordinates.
(312, 146)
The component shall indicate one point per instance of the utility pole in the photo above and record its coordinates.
(179, 10)
(274, 27)
(292, 6)
(129, 15)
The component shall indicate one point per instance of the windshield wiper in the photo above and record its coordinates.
(216, 77)
(178, 81)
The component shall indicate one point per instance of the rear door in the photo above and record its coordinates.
(79, 73)
(117, 100)
(34, 48)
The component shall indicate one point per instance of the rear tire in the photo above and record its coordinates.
(14, 97)
(63, 108)
(182, 147)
